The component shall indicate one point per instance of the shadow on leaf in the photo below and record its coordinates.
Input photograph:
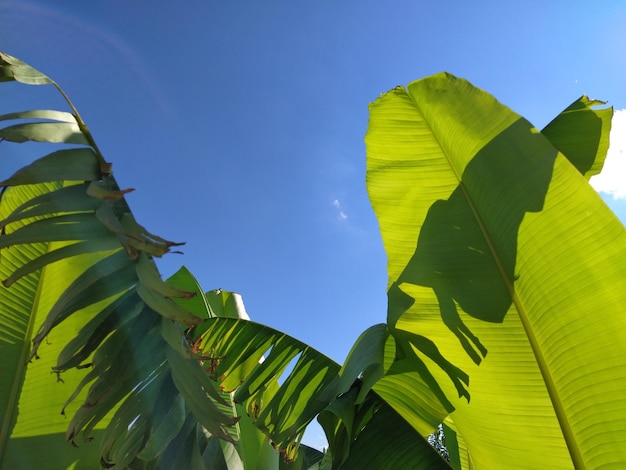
(467, 246)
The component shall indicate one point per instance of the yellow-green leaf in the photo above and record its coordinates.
(503, 263)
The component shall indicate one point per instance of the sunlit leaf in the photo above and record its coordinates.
(581, 133)
(500, 258)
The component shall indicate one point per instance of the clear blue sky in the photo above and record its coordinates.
(241, 124)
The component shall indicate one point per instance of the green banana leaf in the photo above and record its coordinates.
(31, 398)
(284, 384)
(251, 449)
(503, 270)
(500, 254)
(422, 401)
(81, 284)
(587, 154)
(367, 433)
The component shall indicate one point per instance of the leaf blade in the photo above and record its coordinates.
(460, 158)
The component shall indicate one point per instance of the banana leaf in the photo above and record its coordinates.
(284, 384)
(87, 325)
(503, 269)
(31, 397)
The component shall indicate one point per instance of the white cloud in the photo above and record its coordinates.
(342, 215)
(612, 180)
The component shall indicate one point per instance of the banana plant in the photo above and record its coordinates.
(148, 361)
(476, 209)
(248, 359)
(80, 283)
(459, 251)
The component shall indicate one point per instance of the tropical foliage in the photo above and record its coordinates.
(80, 271)
(501, 258)
(505, 320)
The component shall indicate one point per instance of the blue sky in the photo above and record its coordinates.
(241, 124)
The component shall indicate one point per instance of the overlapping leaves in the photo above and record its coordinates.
(493, 277)
(285, 384)
(500, 258)
(73, 253)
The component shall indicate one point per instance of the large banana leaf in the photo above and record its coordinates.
(582, 131)
(505, 273)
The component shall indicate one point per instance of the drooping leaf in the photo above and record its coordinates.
(55, 132)
(169, 415)
(78, 269)
(66, 199)
(12, 68)
(254, 360)
(115, 299)
(71, 164)
(365, 359)
(48, 114)
(105, 279)
(411, 388)
(234, 349)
